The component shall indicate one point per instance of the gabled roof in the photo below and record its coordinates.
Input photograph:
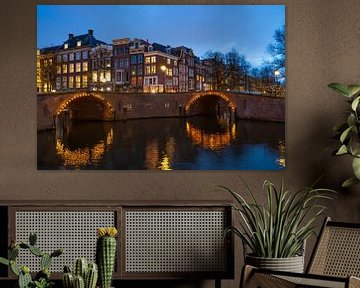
(164, 49)
(49, 50)
(86, 40)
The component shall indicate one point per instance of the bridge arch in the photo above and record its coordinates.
(83, 96)
(198, 96)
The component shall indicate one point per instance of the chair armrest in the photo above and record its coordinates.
(254, 277)
(354, 282)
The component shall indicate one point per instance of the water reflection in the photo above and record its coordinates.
(165, 144)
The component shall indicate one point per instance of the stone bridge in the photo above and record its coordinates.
(53, 108)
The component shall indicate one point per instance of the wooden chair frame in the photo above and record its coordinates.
(255, 277)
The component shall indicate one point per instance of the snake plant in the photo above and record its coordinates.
(349, 132)
(279, 228)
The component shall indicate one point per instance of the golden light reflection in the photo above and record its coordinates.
(165, 163)
(213, 141)
(66, 103)
(199, 95)
(281, 160)
(152, 154)
(154, 160)
(83, 156)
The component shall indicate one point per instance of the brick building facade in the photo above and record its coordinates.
(128, 65)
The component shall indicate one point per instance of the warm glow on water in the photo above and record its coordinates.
(197, 143)
(212, 141)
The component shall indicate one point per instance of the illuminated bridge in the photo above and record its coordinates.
(55, 108)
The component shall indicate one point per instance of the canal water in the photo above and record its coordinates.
(196, 143)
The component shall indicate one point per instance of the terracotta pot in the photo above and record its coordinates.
(291, 264)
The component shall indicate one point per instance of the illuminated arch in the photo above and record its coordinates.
(199, 95)
(79, 95)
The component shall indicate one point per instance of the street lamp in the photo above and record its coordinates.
(163, 68)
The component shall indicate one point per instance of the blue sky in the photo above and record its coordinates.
(247, 28)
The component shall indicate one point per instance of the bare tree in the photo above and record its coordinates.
(277, 50)
(216, 63)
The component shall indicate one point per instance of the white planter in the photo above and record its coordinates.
(291, 264)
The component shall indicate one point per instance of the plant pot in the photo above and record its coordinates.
(291, 264)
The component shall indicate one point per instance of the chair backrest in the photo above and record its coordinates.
(337, 251)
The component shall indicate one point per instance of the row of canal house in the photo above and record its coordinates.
(126, 65)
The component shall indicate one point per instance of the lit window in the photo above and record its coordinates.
(71, 82)
(108, 62)
(94, 77)
(153, 59)
(133, 81)
(133, 70)
(58, 69)
(85, 66)
(175, 62)
(64, 82)
(64, 68)
(147, 60)
(71, 57)
(168, 61)
(153, 69)
(78, 81)
(78, 43)
(84, 81)
(66, 46)
(65, 58)
(78, 67)
(139, 81)
(147, 70)
(85, 55)
(71, 68)
(77, 56)
(108, 76)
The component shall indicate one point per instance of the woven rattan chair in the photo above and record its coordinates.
(334, 263)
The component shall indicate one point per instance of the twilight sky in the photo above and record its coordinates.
(247, 28)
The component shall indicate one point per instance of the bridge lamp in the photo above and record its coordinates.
(163, 69)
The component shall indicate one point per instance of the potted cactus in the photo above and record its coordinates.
(84, 275)
(106, 254)
(42, 278)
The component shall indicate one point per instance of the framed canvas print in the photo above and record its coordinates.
(161, 87)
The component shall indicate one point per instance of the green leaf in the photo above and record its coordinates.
(340, 88)
(342, 150)
(4, 261)
(345, 134)
(355, 103)
(353, 89)
(349, 182)
(356, 167)
(351, 120)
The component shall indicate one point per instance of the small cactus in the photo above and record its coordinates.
(80, 267)
(45, 261)
(91, 276)
(106, 254)
(24, 280)
(42, 278)
(84, 274)
(68, 280)
(79, 282)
